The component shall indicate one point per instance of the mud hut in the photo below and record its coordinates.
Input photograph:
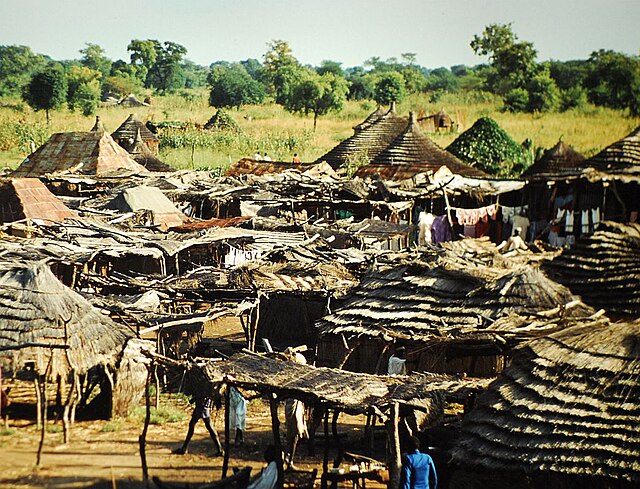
(603, 268)
(133, 128)
(563, 414)
(438, 310)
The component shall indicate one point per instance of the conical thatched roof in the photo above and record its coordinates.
(560, 159)
(487, 146)
(604, 268)
(143, 155)
(444, 301)
(367, 142)
(89, 153)
(41, 319)
(131, 128)
(28, 198)
(222, 121)
(621, 157)
(568, 405)
(412, 147)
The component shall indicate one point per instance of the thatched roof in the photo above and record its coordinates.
(92, 153)
(558, 160)
(603, 268)
(623, 156)
(351, 392)
(142, 154)
(222, 121)
(126, 134)
(442, 301)
(411, 148)
(28, 198)
(367, 141)
(41, 319)
(568, 405)
(248, 166)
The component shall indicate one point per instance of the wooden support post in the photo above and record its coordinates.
(66, 437)
(227, 426)
(275, 427)
(142, 440)
(36, 384)
(43, 403)
(334, 431)
(325, 458)
(393, 455)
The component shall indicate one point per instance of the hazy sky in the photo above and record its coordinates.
(349, 31)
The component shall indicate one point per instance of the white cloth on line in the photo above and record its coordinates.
(238, 406)
(397, 366)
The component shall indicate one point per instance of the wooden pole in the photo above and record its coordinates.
(393, 455)
(275, 427)
(67, 409)
(325, 458)
(334, 431)
(36, 384)
(43, 404)
(227, 425)
(143, 436)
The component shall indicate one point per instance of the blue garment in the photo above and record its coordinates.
(418, 472)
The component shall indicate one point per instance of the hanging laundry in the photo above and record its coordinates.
(585, 221)
(568, 222)
(425, 221)
(595, 217)
(441, 230)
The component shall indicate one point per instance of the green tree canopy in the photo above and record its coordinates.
(232, 86)
(613, 80)
(318, 95)
(281, 69)
(17, 64)
(83, 89)
(93, 57)
(47, 89)
(166, 74)
(389, 88)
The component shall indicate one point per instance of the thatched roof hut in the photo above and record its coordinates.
(563, 414)
(368, 140)
(413, 148)
(623, 156)
(131, 128)
(91, 153)
(558, 160)
(141, 153)
(440, 310)
(44, 322)
(222, 121)
(604, 268)
(28, 198)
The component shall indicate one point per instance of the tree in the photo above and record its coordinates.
(318, 95)
(613, 80)
(544, 95)
(83, 89)
(514, 62)
(17, 64)
(93, 57)
(166, 73)
(389, 88)
(143, 55)
(282, 70)
(47, 89)
(231, 86)
(328, 66)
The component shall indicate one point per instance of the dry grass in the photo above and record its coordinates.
(587, 130)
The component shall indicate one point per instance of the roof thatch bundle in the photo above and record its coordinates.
(489, 147)
(568, 405)
(369, 139)
(623, 156)
(351, 392)
(222, 121)
(412, 147)
(44, 322)
(558, 160)
(603, 268)
(28, 198)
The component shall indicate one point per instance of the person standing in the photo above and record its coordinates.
(418, 470)
(398, 362)
(296, 158)
(238, 405)
(202, 410)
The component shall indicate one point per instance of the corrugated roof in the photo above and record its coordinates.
(92, 153)
(253, 167)
(28, 198)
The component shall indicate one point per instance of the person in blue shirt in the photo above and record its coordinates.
(418, 470)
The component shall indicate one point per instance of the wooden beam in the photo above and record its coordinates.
(393, 455)
(227, 423)
(275, 427)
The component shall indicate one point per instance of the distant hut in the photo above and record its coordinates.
(132, 101)
(603, 268)
(133, 128)
(370, 138)
(28, 198)
(222, 121)
(89, 153)
(563, 414)
(141, 153)
(412, 152)
(163, 212)
(440, 312)
(440, 121)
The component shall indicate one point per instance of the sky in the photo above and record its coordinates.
(347, 31)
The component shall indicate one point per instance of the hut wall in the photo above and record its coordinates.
(463, 479)
(370, 356)
(130, 380)
(288, 320)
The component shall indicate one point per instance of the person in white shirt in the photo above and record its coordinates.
(398, 362)
(266, 157)
(269, 475)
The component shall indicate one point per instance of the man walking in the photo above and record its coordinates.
(201, 411)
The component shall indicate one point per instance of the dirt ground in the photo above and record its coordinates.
(96, 456)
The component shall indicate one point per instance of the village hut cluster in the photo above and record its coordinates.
(113, 267)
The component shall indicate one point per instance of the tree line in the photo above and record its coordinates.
(512, 71)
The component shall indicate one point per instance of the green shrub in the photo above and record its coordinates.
(159, 416)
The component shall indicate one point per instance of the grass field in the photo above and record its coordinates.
(270, 128)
